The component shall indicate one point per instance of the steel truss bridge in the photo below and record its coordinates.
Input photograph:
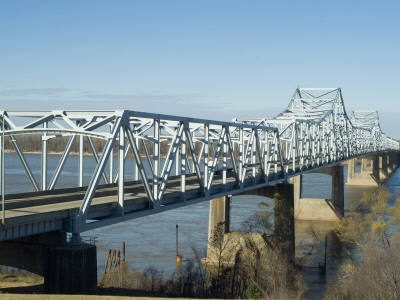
(177, 160)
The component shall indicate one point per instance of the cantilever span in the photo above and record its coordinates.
(177, 160)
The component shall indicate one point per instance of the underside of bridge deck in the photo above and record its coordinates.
(66, 268)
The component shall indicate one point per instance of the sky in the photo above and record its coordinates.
(215, 60)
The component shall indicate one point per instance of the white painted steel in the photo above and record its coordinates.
(316, 128)
(312, 132)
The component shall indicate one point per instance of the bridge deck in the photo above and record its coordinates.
(36, 212)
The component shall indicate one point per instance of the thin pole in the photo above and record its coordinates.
(326, 246)
(177, 252)
(123, 251)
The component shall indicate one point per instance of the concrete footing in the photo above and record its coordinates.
(71, 269)
(66, 268)
(284, 216)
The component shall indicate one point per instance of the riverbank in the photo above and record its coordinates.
(30, 287)
(27, 287)
(76, 297)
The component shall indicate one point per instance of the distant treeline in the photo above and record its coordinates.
(33, 143)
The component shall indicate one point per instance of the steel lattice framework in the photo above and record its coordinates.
(215, 158)
(314, 129)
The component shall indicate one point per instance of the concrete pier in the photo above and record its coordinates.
(66, 268)
(319, 208)
(383, 165)
(219, 214)
(370, 171)
(338, 190)
(283, 194)
(375, 169)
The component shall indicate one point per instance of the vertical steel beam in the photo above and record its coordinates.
(136, 176)
(194, 158)
(92, 187)
(156, 164)
(44, 158)
(147, 155)
(135, 150)
(260, 154)
(121, 171)
(275, 153)
(224, 157)
(233, 157)
(177, 164)
(80, 183)
(127, 147)
(96, 157)
(294, 143)
(249, 151)
(216, 157)
(241, 155)
(253, 157)
(206, 156)
(61, 163)
(265, 155)
(111, 165)
(173, 154)
(2, 162)
(184, 164)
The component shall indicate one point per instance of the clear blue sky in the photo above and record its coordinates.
(207, 59)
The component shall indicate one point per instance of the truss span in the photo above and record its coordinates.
(178, 160)
(315, 129)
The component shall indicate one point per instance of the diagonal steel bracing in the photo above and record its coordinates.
(179, 160)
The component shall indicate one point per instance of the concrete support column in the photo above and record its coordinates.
(219, 213)
(284, 218)
(283, 194)
(391, 161)
(384, 165)
(364, 166)
(375, 169)
(66, 268)
(351, 169)
(297, 191)
(394, 159)
(338, 189)
(70, 269)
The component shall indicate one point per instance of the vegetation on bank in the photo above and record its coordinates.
(238, 265)
(374, 272)
(254, 264)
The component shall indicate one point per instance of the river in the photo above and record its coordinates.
(150, 241)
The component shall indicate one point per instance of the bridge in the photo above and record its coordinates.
(178, 161)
